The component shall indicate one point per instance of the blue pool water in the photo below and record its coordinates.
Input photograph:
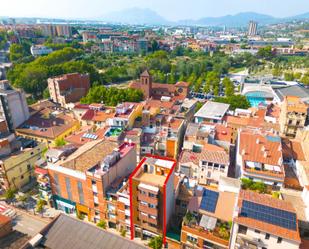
(255, 98)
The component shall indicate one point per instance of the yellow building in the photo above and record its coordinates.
(48, 129)
(17, 169)
(293, 115)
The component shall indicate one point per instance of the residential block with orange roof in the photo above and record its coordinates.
(259, 157)
(261, 221)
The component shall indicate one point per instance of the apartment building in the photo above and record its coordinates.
(262, 221)
(13, 105)
(259, 157)
(206, 166)
(68, 88)
(293, 115)
(152, 197)
(212, 112)
(207, 222)
(126, 114)
(168, 138)
(80, 182)
(17, 169)
(48, 123)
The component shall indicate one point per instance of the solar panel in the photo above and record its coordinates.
(209, 200)
(269, 215)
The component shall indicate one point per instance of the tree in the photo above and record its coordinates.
(102, 224)
(156, 242)
(265, 52)
(60, 142)
(252, 185)
(229, 87)
(154, 45)
(10, 195)
(46, 94)
(305, 79)
(40, 206)
(289, 76)
(23, 199)
(235, 101)
(112, 96)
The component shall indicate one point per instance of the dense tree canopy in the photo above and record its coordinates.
(111, 96)
(32, 76)
(235, 101)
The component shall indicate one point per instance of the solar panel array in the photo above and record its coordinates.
(209, 200)
(90, 136)
(269, 215)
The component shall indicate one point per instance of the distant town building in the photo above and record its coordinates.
(293, 115)
(13, 105)
(68, 88)
(37, 50)
(56, 30)
(252, 30)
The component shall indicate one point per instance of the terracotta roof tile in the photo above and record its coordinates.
(263, 226)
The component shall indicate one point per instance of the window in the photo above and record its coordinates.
(93, 182)
(279, 240)
(21, 177)
(191, 239)
(297, 122)
(68, 187)
(152, 195)
(80, 192)
(267, 235)
(242, 229)
(257, 231)
(152, 206)
(58, 190)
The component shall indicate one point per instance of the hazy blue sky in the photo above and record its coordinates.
(170, 9)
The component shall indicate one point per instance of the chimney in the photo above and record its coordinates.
(257, 141)
(263, 148)
(265, 154)
(130, 141)
(243, 152)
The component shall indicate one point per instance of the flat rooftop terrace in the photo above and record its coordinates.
(152, 179)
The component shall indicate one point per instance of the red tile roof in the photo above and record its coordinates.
(257, 145)
(263, 226)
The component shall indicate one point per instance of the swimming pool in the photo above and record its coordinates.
(255, 98)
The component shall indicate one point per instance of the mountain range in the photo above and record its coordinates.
(148, 16)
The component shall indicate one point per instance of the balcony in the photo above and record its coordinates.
(245, 241)
(148, 210)
(146, 218)
(94, 189)
(211, 236)
(146, 198)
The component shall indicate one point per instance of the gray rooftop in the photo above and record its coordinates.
(212, 110)
(297, 91)
(69, 233)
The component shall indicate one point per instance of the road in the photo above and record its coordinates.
(27, 224)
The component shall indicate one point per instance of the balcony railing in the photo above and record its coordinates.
(148, 210)
(206, 235)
